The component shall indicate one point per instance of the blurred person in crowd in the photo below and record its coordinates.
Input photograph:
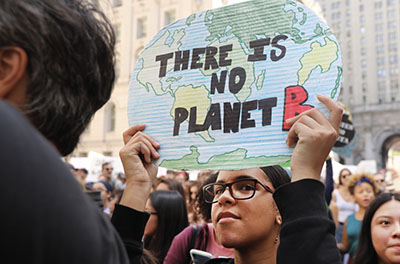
(83, 173)
(182, 177)
(203, 174)
(168, 217)
(56, 68)
(342, 204)
(380, 182)
(171, 174)
(380, 232)
(105, 193)
(164, 183)
(249, 214)
(107, 174)
(121, 181)
(193, 188)
(200, 236)
(363, 189)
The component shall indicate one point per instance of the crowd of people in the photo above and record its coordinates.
(57, 70)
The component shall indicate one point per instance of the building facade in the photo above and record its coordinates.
(368, 32)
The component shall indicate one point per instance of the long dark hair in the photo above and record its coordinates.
(172, 219)
(366, 253)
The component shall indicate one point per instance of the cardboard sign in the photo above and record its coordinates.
(215, 89)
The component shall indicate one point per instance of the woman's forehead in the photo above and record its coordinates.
(228, 176)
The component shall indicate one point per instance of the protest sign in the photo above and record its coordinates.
(347, 139)
(215, 89)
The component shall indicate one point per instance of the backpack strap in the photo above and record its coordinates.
(195, 231)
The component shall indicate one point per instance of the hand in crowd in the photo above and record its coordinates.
(136, 157)
(315, 135)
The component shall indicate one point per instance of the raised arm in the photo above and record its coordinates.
(307, 234)
(129, 217)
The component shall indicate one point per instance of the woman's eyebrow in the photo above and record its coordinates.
(240, 177)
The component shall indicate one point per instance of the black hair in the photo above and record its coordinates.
(104, 164)
(277, 175)
(171, 211)
(366, 253)
(70, 49)
(204, 208)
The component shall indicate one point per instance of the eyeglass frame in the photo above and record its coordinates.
(229, 185)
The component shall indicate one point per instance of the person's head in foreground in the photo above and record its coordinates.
(244, 213)
(56, 64)
(380, 232)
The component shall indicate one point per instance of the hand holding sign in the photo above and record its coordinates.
(216, 89)
(136, 157)
(316, 136)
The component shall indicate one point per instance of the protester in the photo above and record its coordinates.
(200, 236)
(168, 184)
(380, 232)
(252, 227)
(168, 217)
(192, 190)
(380, 182)
(107, 174)
(342, 204)
(362, 188)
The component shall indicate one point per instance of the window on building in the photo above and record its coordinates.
(379, 49)
(107, 153)
(378, 27)
(392, 36)
(391, 14)
(141, 28)
(392, 47)
(362, 41)
(378, 4)
(362, 19)
(363, 63)
(394, 71)
(364, 75)
(117, 3)
(378, 16)
(348, 23)
(362, 51)
(380, 61)
(391, 2)
(109, 117)
(379, 38)
(169, 17)
(381, 74)
(393, 59)
(392, 25)
(361, 8)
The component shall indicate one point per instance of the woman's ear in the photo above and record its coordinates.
(13, 75)
(278, 219)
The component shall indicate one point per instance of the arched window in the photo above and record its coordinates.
(109, 117)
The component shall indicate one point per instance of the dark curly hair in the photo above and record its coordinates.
(70, 49)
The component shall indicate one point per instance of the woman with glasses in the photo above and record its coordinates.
(262, 222)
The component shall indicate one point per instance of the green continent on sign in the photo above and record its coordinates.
(239, 59)
(189, 96)
(253, 12)
(260, 80)
(337, 82)
(238, 156)
(190, 19)
(319, 56)
(149, 63)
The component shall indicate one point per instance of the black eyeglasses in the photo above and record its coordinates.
(242, 189)
(109, 169)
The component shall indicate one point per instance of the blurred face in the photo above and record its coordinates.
(151, 226)
(385, 232)
(363, 194)
(105, 195)
(241, 223)
(193, 192)
(380, 181)
(180, 178)
(345, 176)
(107, 171)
